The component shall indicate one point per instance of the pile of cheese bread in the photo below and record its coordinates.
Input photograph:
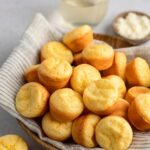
(87, 91)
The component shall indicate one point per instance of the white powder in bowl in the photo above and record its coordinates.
(133, 26)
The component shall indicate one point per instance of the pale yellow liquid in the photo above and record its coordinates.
(83, 11)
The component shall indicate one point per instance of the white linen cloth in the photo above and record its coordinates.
(26, 54)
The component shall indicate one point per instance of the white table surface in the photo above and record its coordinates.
(16, 15)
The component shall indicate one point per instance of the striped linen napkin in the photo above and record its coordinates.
(25, 55)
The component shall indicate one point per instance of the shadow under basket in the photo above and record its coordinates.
(115, 42)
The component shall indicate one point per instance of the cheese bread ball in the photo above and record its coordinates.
(138, 72)
(100, 97)
(32, 99)
(77, 59)
(12, 142)
(83, 130)
(121, 108)
(139, 111)
(119, 83)
(66, 104)
(31, 74)
(79, 38)
(54, 73)
(83, 75)
(57, 50)
(55, 130)
(133, 92)
(118, 67)
(98, 55)
(113, 133)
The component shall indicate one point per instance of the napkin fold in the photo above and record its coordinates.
(26, 54)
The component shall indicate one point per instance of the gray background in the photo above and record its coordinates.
(16, 15)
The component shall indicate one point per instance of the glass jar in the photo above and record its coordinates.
(83, 11)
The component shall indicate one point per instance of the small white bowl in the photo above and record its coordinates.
(134, 42)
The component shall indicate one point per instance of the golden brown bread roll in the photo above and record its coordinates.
(138, 72)
(66, 105)
(83, 75)
(98, 55)
(32, 99)
(100, 97)
(31, 74)
(79, 38)
(133, 92)
(12, 142)
(121, 108)
(57, 50)
(139, 111)
(119, 83)
(54, 73)
(113, 133)
(55, 130)
(83, 129)
(118, 67)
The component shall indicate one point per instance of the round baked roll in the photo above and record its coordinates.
(138, 72)
(32, 99)
(100, 97)
(139, 111)
(113, 133)
(79, 38)
(83, 130)
(12, 142)
(55, 130)
(83, 75)
(119, 83)
(77, 59)
(133, 92)
(118, 67)
(57, 50)
(31, 74)
(66, 104)
(98, 55)
(121, 109)
(54, 73)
